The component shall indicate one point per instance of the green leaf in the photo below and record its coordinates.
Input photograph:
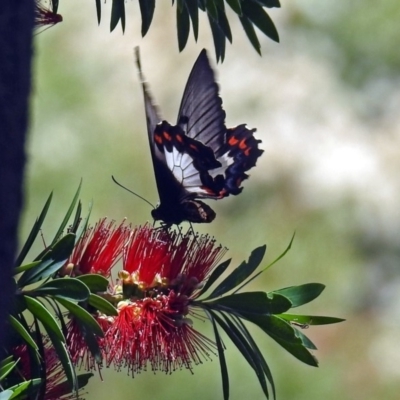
(117, 14)
(250, 32)
(307, 320)
(194, 16)
(98, 11)
(95, 282)
(224, 25)
(6, 360)
(20, 390)
(305, 340)
(235, 5)
(52, 261)
(34, 231)
(239, 340)
(83, 224)
(67, 288)
(6, 369)
(218, 38)
(217, 272)
(301, 294)
(92, 342)
(20, 329)
(257, 15)
(183, 26)
(147, 11)
(285, 335)
(269, 3)
(253, 344)
(54, 6)
(104, 306)
(44, 316)
(253, 303)
(25, 267)
(67, 216)
(212, 9)
(242, 272)
(221, 356)
(82, 315)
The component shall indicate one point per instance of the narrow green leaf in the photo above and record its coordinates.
(20, 329)
(212, 9)
(301, 294)
(221, 356)
(217, 272)
(285, 335)
(67, 288)
(253, 303)
(98, 11)
(235, 5)
(95, 282)
(43, 315)
(194, 16)
(250, 32)
(307, 320)
(182, 26)
(52, 261)
(6, 360)
(269, 3)
(257, 351)
(92, 342)
(20, 390)
(25, 267)
(257, 15)
(242, 272)
(224, 25)
(269, 265)
(54, 6)
(305, 340)
(77, 218)
(6, 369)
(104, 306)
(239, 340)
(147, 10)
(218, 38)
(34, 231)
(117, 14)
(65, 360)
(82, 315)
(83, 224)
(67, 216)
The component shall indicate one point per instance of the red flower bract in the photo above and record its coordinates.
(98, 249)
(163, 272)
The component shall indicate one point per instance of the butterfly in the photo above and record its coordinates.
(198, 158)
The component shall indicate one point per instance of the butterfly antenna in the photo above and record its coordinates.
(130, 191)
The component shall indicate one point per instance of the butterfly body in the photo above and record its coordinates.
(198, 158)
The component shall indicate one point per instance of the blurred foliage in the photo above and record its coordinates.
(250, 12)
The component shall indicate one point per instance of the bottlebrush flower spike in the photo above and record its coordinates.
(98, 249)
(163, 271)
(45, 16)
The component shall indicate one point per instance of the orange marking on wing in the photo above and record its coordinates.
(194, 147)
(233, 141)
(179, 138)
(158, 138)
(242, 144)
(167, 136)
(247, 152)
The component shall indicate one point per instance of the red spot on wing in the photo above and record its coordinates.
(233, 141)
(167, 136)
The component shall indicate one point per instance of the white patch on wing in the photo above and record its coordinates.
(225, 161)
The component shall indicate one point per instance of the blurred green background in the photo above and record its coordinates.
(325, 102)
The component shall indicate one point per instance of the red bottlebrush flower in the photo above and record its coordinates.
(45, 16)
(56, 389)
(163, 272)
(98, 249)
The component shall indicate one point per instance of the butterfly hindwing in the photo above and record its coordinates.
(199, 157)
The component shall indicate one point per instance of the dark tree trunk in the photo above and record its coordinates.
(16, 25)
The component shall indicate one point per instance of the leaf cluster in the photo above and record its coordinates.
(267, 310)
(41, 296)
(251, 14)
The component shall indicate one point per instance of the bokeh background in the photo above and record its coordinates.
(326, 104)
